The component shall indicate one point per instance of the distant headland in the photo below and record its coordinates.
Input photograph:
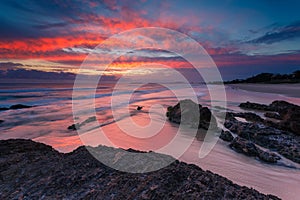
(269, 78)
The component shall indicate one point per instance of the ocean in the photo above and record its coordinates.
(51, 115)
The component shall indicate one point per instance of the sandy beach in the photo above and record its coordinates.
(291, 90)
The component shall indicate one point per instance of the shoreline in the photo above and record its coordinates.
(289, 90)
(264, 184)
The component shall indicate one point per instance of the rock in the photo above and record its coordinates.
(186, 112)
(248, 148)
(271, 123)
(282, 136)
(77, 126)
(31, 170)
(272, 115)
(279, 106)
(289, 116)
(249, 116)
(294, 126)
(291, 119)
(285, 143)
(267, 156)
(139, 108)
(88, 120)
(1, 121)
(226, 136)
(12, 147)
(288, 112)
(189, 113)
(19, 106)
(207, 119)
(15, 107)
(276, 106)
(244, 146)
(74, 127)
(255, 106)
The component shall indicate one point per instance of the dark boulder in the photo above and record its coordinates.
(88, 120)
(272, 115)
(19, 106)
(276, 106)
(267, 156)
(207, 119)
(189, 113)
(285, 143)
(248, 148)
(77, 126)
(139, 108)
(249, 116)
(186, 112)
(1, 121)
(255, 106)
(295, 127)
(226, 136)
(15, 107)
(74, 127)
(291, 119)
(289, 114)
(244, 146)
(280, 106)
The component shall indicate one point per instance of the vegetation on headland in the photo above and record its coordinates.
(270, 78)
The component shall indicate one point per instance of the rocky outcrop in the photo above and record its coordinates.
(272, 115)
(248, 148)
(285, 143)
(19, 106)
(255, 106)
(289, 114)
(290, 119)
(15, 107)
(244, 146)
(74, 127)
(267, 156)
(30, 170)
(280, 106)
(226, 136)
(249, 116)
(78, 125)
(189, 113)
(276, 106)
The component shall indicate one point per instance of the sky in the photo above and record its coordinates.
(51, 39)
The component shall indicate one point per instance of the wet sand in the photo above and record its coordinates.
(291, 90)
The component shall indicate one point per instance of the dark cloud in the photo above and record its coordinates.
(35, 74)
(32, 19)
(53, 25)
(9, 65)
(278, 34)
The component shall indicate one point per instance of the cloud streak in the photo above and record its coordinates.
(291, 31)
